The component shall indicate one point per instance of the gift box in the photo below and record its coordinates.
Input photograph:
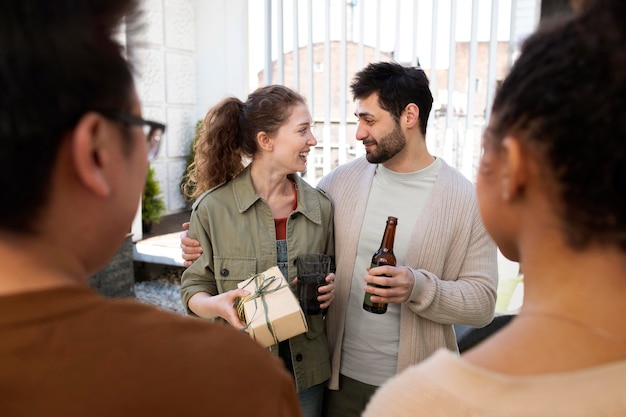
(271, 311)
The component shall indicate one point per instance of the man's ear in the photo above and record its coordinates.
(90, 153)
(515, 172)
(411, 115)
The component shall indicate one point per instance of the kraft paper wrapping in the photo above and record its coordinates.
(271, 311)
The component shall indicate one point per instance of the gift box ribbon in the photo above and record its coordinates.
(263, 287)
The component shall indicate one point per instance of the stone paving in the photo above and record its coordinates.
(160, 293)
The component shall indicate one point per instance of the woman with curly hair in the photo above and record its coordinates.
(252, 212)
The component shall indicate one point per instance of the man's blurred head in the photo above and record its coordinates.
(59, 60)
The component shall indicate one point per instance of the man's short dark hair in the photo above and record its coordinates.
(58, 60)
(396, 86)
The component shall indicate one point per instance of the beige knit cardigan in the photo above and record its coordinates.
(451, 255)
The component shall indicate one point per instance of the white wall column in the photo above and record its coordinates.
(222, 52)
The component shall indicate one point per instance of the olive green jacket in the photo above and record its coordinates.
(236, 230)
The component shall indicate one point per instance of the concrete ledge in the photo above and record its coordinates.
(161, 249)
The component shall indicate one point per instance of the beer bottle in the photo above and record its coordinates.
(383, 256)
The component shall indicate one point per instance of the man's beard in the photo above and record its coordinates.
(387, 147)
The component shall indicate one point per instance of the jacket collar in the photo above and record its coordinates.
(308, 197)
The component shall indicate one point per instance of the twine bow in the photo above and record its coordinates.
(263, 285)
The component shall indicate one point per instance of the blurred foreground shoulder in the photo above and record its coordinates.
(219, 369)
(416, 393)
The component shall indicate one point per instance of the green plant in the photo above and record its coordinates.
(185, 184)
(152, 205)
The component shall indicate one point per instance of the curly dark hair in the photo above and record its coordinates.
(229, 131)
(396, 86)
(565, 97)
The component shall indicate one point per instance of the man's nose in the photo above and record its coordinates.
(361, 132)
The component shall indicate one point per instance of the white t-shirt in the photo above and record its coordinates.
(370, 344)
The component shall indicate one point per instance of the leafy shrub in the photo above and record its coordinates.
(152, 204)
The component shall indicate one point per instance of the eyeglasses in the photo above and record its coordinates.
(153, 130)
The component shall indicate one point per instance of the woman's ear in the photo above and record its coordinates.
(265, 142)
(90, 153)
(514, 172)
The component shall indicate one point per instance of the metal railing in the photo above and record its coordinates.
(464, 46)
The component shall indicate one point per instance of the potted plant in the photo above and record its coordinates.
(152, 205)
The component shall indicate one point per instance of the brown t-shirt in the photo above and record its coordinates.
(70, 352)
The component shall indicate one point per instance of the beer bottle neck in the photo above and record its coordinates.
(388, 238)
(386, 244)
